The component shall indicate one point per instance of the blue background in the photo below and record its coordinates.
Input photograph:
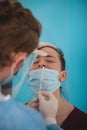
(65, 25)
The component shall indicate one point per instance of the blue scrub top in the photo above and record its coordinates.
(15, 116)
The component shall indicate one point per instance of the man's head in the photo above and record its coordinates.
(54, 59)
(19, 34)
(48, 72)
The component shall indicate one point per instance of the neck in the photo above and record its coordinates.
(65, 108)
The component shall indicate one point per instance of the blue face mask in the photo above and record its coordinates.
(44, 80)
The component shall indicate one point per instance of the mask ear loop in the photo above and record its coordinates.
(41, 78)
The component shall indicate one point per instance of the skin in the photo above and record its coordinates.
(18, 58)
(52, 61)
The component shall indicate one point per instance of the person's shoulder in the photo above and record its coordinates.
(20, 117)
(26, 115)
(21, 108)
(26, 109)
(76, 120)
(79, 112)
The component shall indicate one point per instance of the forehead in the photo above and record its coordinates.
(50, 51)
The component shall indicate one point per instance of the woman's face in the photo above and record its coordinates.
(51, 61)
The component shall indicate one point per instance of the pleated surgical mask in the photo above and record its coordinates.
(44, 80)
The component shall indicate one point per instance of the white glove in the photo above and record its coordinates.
(48, 106)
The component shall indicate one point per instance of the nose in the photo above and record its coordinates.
(42, 63)
(41, 66)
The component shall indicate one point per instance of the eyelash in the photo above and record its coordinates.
(49, 61)
(35, 62)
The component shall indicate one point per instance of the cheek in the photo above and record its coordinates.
(33, 67)
(53, 66)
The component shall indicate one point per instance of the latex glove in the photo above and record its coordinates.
(48, 106)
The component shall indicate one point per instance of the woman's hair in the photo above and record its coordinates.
(59, 51)
(19, 30)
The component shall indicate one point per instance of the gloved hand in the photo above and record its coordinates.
(48, 106)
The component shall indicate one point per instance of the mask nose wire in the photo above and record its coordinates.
(41, 78)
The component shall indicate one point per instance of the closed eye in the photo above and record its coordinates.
(36, 61)
(51, 61)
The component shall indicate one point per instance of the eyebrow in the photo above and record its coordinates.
(48, 56)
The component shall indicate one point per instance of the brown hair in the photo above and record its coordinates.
(19, 30)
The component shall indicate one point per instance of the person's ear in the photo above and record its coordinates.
(62, 76)
(18, 59)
